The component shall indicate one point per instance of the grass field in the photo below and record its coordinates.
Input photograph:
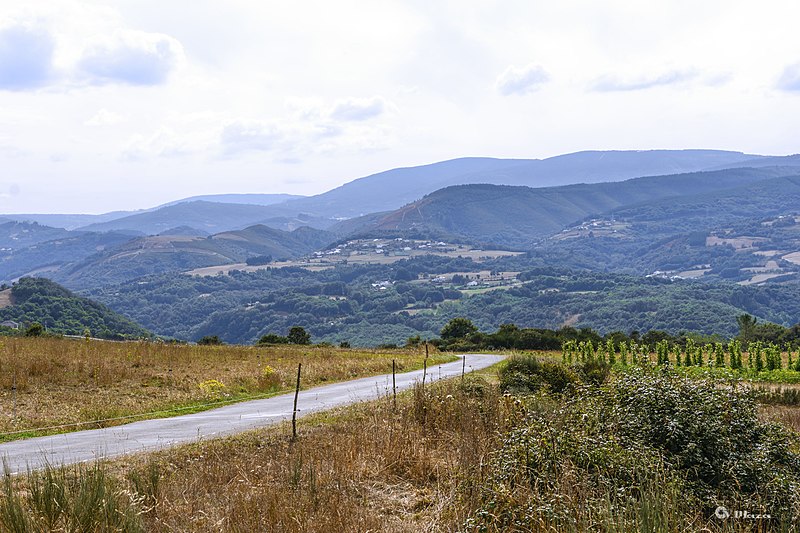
(63, 381)
(446, 458)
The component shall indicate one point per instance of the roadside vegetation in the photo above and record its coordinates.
(539, 446)
(51, 382)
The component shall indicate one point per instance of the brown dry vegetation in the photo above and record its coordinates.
(369, 468)
(457, 455)
(787, 415)
(62, 381)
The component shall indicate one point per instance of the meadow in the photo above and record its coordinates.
(532, 444)
(60, 383)
(538, 446)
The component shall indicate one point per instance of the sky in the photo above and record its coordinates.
(128, 104)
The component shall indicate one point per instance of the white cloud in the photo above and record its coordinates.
(26, 55)
(357, 109)
(164, 142)
(242, 136)
(131, 57)
(613, 83)
(104, 117)
(790, 79)
(522, 80)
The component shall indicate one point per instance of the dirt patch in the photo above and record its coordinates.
(5, 298)
(738, 243)
(793, 257)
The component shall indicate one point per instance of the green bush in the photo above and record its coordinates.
(526, 373)
(648, 451)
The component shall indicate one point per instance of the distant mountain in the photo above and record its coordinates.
(69, 221)
(186, 231)
(16, 235)
(263, 240)
(391, 189)
(74, 221)
(210, 217)
(177, 253)
(54, 255)
(60, 311)
(519, 216)
(764, 161)
(252, 199)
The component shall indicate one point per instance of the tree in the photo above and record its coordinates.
(34, 330)
(210, 340)
(272, 338)
(458, 328)
(747, 324)
(298, 335)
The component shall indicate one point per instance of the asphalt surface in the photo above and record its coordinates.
(149, 435)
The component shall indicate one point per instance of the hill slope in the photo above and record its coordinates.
(170, 253)
(60, 311)
(391, 189)
(519, 216)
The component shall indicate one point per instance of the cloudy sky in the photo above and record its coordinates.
(127, 104)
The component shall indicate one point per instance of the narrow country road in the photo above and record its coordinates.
(149, 435)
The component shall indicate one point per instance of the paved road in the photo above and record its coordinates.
(148, 435)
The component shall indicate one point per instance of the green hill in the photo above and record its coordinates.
(518, 217)
(170, 253)
(39, 300)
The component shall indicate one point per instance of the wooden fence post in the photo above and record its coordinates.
(294, 411)
(394, 384)
(14, 396)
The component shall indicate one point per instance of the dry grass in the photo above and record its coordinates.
(364, 468)
(369, 467)
(789, 416)
(62, 381)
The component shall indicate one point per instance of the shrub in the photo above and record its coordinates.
(649, 451)
(525, 373)
(210, 340)
(594, 371)
(34, 330)
(212, 388)
(298, 335)
(272, 338)
(269, 379)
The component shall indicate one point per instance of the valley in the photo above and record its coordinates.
(720, 237)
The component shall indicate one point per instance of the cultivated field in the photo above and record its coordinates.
(48, 382)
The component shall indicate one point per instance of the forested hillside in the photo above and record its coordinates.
(378, 304)
(40, 301)
(518, 217)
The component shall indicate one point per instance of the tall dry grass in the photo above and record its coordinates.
(63, 381)
(374, 468)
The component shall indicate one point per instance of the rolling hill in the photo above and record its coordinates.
(16, 235)
(51, 256)
(60, 311)
(75, 221)
(391, 189)
(517, 217)
(178, 253)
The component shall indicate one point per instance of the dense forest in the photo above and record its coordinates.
(380, 304)
(41, 302)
